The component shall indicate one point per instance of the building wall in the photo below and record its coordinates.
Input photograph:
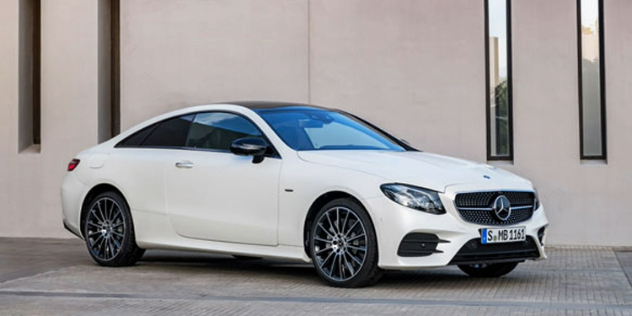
(585, 199)
(30, 178)
(181, 53)
(416, 67)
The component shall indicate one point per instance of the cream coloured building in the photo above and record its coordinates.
(74, 72)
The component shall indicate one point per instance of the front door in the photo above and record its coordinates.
(213, 194)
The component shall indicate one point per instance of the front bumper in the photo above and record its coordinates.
(394, 222)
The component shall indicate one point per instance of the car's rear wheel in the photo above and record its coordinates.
(344, 245)
(109, 231)
(491, 270)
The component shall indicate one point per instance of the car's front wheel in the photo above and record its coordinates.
(491, 270)
(109, 232)
(344, 245)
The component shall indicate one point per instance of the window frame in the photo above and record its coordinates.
(155, 125)
(602, 83)
(488, 139)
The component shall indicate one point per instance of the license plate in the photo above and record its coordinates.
(500, 235)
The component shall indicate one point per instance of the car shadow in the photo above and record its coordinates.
(227, 263)
(304, 273)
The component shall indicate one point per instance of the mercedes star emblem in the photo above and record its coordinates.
(502, 208)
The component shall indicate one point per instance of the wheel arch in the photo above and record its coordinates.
(92, 193)
(321, 201)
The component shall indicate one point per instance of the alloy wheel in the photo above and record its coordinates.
(339, 243)
(105, 231)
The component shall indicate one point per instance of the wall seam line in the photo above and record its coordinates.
(309, 53)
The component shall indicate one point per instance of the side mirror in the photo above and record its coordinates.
(252, 146)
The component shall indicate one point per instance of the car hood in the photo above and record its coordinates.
(432, 171)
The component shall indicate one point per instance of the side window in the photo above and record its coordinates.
(170, 133)
(136, 139)
(218, 130)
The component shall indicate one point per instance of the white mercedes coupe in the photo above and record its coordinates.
(297, 182)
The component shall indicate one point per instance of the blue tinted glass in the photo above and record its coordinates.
(218, 130)
(325, 130)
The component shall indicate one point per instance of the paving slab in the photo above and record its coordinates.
(43, 277)
(625, 260)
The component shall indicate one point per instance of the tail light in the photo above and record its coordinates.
(73, 164)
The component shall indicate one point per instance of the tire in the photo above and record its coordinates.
(491, 270)
(343, 245)
(109, 231)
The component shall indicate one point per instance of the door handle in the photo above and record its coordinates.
(184, 164)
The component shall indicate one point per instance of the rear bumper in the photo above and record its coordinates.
(71, 230)
(72, 193)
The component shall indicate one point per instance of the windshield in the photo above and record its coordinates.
(315, 129)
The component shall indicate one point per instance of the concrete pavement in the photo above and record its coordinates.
(45, 277)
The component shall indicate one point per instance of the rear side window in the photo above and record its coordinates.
(136, 139)
(218, 130)
(170, 133)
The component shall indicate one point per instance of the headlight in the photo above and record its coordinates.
(416, 198)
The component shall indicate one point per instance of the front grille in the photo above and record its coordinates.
(488, 217)
(476, 207)
(485, 199)
(474, 252)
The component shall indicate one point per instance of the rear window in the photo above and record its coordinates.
(170, 133)
(136, 139)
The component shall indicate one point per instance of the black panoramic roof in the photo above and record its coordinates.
(272, 105)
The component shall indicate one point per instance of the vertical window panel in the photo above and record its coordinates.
(499, 89)
(104, 70)
(29, 112)
(591, 79)
(108, 68)
(115, 70)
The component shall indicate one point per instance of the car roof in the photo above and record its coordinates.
(273, 105)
